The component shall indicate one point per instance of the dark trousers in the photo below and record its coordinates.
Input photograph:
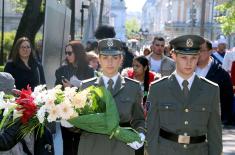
(140, 151)
(70, 141)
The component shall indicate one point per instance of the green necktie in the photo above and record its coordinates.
(185, 88)
(110, 85)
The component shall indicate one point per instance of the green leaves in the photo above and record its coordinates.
(227, 19)
(19, 5)
(132, 28)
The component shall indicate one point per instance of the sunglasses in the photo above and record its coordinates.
(69, 53)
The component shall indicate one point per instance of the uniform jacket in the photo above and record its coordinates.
(218, 75)
(127, 94)
(198, 115)
(167, 66)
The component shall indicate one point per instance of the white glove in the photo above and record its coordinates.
(66, 124)
(136, 145)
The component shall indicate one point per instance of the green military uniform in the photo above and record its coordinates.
(179, 125)
(128, 97)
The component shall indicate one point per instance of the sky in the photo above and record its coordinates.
(134, 5)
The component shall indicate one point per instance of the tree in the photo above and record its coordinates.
(132, 27)
(19, 5)
(31, 20)
(227, 19)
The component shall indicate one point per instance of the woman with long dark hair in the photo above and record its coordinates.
(23, 66)
(140, 72)
(75, 69)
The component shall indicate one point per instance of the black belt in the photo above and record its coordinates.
(182, 139)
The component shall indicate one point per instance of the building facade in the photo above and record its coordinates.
(171, 18)
(118, 18)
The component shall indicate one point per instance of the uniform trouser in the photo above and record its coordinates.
(140, 151)
(70, 141)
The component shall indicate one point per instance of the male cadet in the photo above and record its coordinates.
(128, 97)
(184, 116)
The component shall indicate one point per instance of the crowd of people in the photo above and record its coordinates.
(177, 97)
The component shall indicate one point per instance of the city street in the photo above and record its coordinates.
(229, 141)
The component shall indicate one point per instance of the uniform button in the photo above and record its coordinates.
(185, 146)
(186, 122)
(167, 107)
(203, 109)
(186, 110)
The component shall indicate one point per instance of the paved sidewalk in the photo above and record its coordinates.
(229, 141)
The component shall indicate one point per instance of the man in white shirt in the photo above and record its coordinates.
(160, 63)
(184, 116)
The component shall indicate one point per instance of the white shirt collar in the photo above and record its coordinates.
(106, 79)
(180, 80)
(203, 71)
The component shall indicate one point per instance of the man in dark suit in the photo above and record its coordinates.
(184, 116)
(208, 68)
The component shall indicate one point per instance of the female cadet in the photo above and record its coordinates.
(126, 93)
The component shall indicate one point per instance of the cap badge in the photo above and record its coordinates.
(189, 42)
(110, 43)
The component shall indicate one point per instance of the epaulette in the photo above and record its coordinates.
(159, 80)
(208, 81)
(89, 80)
(133, 80)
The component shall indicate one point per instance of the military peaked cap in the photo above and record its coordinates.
(187, 44)
(110, 46)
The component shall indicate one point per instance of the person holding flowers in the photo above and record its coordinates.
(128, 97)
(10, 141)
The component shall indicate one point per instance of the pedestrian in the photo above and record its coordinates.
(159, 63)
(208, 68)
(184, 117)
(128, 57)
(146, 52)
(105, 31)
(127, 95)
(140, 72)
(71, 73)
(24, 67)
(92, 58)
(221, 50)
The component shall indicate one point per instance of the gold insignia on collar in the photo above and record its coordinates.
(110, 43)
(189, 42)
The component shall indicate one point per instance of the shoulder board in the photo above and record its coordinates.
(89, 80)
(208, 81)
(129, 79)
(159, 80)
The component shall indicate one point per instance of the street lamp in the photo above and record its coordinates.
(144, 33)
(2, 39)
(82, 16)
